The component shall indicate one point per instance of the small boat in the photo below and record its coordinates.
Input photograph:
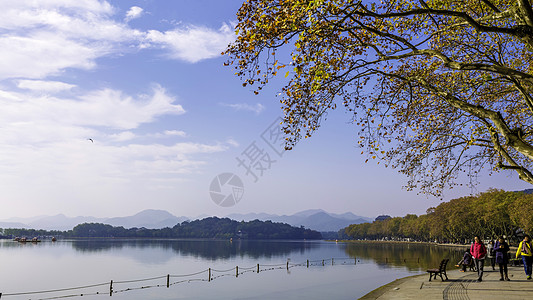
(25, 240)
(54, 239)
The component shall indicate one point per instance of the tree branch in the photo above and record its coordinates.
(526, 9)
(440, 12)
(527, 97)
(489, 4)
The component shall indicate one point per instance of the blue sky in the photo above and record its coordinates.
(112, 107)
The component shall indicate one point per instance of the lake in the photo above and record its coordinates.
(140, 268)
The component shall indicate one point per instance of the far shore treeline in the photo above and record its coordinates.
(488, 215)
(212, 227)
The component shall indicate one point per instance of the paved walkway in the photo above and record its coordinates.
(459, 286)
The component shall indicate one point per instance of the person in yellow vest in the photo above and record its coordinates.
(524, 249)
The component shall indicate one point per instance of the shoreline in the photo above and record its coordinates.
(398, 242)
(415, 243)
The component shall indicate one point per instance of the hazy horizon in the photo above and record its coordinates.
(191, 217)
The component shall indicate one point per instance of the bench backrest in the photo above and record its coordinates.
(443, 264)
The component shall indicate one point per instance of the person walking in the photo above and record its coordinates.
(491, 254)
(502, 259)
(478, 251)
(524, 249)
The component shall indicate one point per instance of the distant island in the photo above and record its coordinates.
(211, 228)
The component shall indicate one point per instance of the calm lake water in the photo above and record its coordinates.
(355, 270)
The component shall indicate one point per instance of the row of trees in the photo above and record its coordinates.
(488, 215)
(212, 227)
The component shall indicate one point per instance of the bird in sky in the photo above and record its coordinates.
(91, 140)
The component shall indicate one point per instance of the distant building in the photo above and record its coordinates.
(382, 218)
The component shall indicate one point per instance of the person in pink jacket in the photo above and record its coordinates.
(478, 251)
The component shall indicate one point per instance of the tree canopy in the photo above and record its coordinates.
(437, 88)
(488, 215)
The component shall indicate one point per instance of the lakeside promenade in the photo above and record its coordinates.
(460, 286)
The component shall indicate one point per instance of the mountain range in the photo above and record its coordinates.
(150, 218)
(315, 219)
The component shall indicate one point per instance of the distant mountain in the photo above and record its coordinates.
(308, 213)
(325, 222)
(200, 217)
(150, 218)
(60, 222)
(350, 216)
(6, 224)
(316, 219)
(24, 220)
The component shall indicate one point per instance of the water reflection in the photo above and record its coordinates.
(415, 257)
(97, 261)
(205, 249)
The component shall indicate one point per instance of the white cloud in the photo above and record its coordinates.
(46, 146)
(133, 13)
(113, 109)
(44, 86)
(232, 142)
(42, 38)
(193, 43)
(45, 138)
(175, 133)
(257, 108)
(27, 118)
(32, 14)
(129, 135)
(44, 54)
(122, 136)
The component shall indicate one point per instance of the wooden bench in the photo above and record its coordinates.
(440, 271)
